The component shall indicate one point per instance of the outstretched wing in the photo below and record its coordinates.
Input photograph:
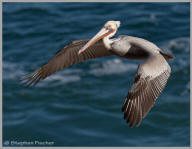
(150, 80)
(66, 57)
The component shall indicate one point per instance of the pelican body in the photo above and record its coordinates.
(150, 79)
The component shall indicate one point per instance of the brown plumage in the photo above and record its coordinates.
(66, 57)
(150, 79)
(145, 90)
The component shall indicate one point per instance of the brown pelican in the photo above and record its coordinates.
(150, 79)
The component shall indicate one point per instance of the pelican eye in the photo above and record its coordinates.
(109, 27)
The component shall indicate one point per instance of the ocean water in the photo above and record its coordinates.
(81, 105)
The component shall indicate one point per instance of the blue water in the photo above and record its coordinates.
(81, 105)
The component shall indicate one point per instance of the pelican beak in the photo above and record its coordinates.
(101, 34)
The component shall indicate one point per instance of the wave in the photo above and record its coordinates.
(11, 71)
(179, 48)
(112, 66)
(63, 77)
(182, 43)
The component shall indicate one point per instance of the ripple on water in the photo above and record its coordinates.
(81, 105)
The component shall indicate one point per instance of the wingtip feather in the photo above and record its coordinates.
(31, 79)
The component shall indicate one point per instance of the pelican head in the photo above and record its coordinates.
(107, 31)
(111, 27)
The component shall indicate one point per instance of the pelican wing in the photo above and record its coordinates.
(66, 57)
(150, 80)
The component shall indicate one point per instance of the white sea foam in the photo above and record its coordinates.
(14, 71)
(113, 66)
(11, 71)
(180, 43)
(65, 76)
(180, 48)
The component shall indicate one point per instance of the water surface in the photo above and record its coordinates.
(81, 105)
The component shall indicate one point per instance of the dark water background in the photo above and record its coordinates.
(81, 105)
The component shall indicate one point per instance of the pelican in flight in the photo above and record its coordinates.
(150, 79)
